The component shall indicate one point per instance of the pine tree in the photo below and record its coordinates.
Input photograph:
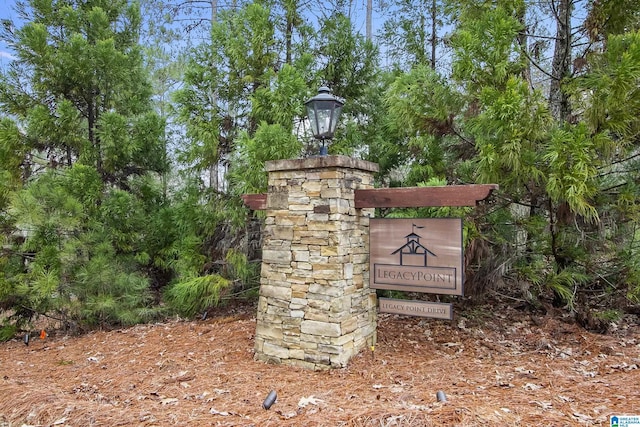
(412, 34)
(83, 149)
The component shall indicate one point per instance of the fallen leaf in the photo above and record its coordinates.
(311, 400)
(287, 415)
(624, 366)
(543, 405)
(531, 386)
(413, 407)
(582, 417)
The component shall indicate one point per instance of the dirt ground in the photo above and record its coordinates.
(496, 366)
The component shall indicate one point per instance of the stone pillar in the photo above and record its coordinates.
(315, 308)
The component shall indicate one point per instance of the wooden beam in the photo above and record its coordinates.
(256, 202)
(416, 197)
(404, 197)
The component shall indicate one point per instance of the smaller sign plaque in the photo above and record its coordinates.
(435, 310)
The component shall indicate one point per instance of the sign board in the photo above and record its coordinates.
(417, 255)
(434, 310)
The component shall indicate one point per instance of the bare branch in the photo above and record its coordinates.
(541, 37)
(535, 64)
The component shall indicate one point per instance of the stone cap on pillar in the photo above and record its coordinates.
(321, 162)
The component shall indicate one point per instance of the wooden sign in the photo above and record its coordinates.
(433, 310)
(417, 255)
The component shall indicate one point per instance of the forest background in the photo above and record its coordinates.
(128, 132)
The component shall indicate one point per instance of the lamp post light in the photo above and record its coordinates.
(324, 111)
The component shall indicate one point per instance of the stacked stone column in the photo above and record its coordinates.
(316, 309)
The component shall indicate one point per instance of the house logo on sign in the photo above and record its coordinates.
(413, 249)
(428, 259)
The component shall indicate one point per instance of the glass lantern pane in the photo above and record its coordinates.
(324, 122)
(335, 117)
(311, 113)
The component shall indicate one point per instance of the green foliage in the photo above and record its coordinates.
(270, 142)
(7, 332)
(80, 156)
(609, 93)
(565, 284)
(531, 271)
(368, 131)
(421, 107)
(628, 277)
(197, 110)
(239, 268)
(282, 101)
(193, 295)
(393, 294)
(221, 77)
(612, 17)
(508, 132)
(572, 158)
(196, 294)
(609, 315)
(86, 260)
(484, 43)
(407, 33)
(421, 102)
(71, 88)
(109, 293)
(12, 151)
(346, 60)
(91, 233)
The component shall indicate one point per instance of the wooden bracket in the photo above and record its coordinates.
(255, 202)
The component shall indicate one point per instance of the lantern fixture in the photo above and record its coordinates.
(324, 111)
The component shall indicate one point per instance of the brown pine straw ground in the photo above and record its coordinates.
(496, 366)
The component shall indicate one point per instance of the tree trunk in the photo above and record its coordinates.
(523, 43)
(369, 19)
(93, 139)
(69, 157)
(434, 29)
(290, 13)
(561, 65)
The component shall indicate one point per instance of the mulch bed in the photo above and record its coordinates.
(495, 367)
